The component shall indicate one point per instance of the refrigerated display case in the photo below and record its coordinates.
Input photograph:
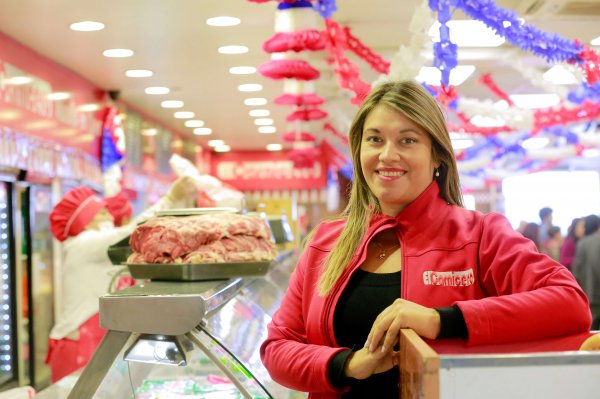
(185, 339)
(8, 345)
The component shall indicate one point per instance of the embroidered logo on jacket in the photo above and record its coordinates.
(449, 279)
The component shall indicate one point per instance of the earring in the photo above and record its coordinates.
(437, 172)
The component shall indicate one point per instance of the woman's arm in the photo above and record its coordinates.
(530, 295)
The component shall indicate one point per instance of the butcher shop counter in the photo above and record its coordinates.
(196, 339)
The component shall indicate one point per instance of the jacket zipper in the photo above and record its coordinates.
(337, 287)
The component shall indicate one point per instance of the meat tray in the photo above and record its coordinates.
(197, 271)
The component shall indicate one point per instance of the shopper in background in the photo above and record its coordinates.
(546, 223)
(120, 208)
(406, 254)
(81, 221)
(551, 246)
(532, 231)
(586, 267)
(567, 250)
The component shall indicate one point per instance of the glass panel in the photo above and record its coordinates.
(41, 280)
(6, 305)
(241, 326)
(200, 378)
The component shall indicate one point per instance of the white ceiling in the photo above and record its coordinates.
(171, 38)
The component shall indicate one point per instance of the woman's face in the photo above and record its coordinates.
(580, 228)
(395, 157)
(102, 220)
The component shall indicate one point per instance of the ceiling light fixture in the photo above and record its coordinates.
(255, 101)
(267, 129)
(149, 132)
(274, 147)
(242, 70)
(86, 26)
(194, 123)
(172, 104)
(535, 143)
(59, 95)
(117, 53)
(215, 143)
(18, 80)
(183, 114)
(259, 112)
(222, 148)
(595, 42)
(468, 33)
(223, 21)
(138, 73)
(433, 76)
(202, 131)
(559, 75)
(88, 107)
(263, 121)
(533, 101)
(250, 87)
(233, 49)
(157, 90)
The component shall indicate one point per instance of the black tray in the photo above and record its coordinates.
(197, 271)
(119, 252)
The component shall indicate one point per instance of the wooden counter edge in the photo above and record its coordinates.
(419, 368)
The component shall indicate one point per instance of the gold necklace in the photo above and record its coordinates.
(382, 250)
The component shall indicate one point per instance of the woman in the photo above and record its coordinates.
(82, 222)
(567, 250)
(406, 254)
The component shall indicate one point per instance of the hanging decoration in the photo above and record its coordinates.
(487, 80)
(112, 148)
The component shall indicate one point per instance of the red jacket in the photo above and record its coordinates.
(506, 290)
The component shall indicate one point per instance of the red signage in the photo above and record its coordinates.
(264, 170)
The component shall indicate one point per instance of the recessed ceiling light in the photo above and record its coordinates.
(487, 121)
(595, 42)
(194, 123)
(157, 90)
(202, 131)
(533, 101)
(255, 101)
(433, 76)
(242, 70)
(183, 114)
(222, 148)
(461, 144)
(18, 80)
(88, 107)
(468, 33)
(559, 75)
(87, 26)
(223, 21)
(149, 132)
(214, 143)
(250, 87)
(274, 147)
(267, 129)
(59, 95)
(171, 104)
(535, 143)
(263, 121)
(138, 73)
(233, 49)
(117, 53)
(259, 112)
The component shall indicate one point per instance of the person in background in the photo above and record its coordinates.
(586, 267)
(551, 246)
(120, 208)
(532, 231)
(406, 254)
(82, 222)
(522, 225)
(590, 224)
(567, 249)
(546, 223)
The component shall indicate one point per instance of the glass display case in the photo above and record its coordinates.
(194, 339)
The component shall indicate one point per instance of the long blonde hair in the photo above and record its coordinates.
(413, 101)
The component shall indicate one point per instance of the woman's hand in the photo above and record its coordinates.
(402, 314)
(362, 363)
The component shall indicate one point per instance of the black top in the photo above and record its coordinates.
(366, 295)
